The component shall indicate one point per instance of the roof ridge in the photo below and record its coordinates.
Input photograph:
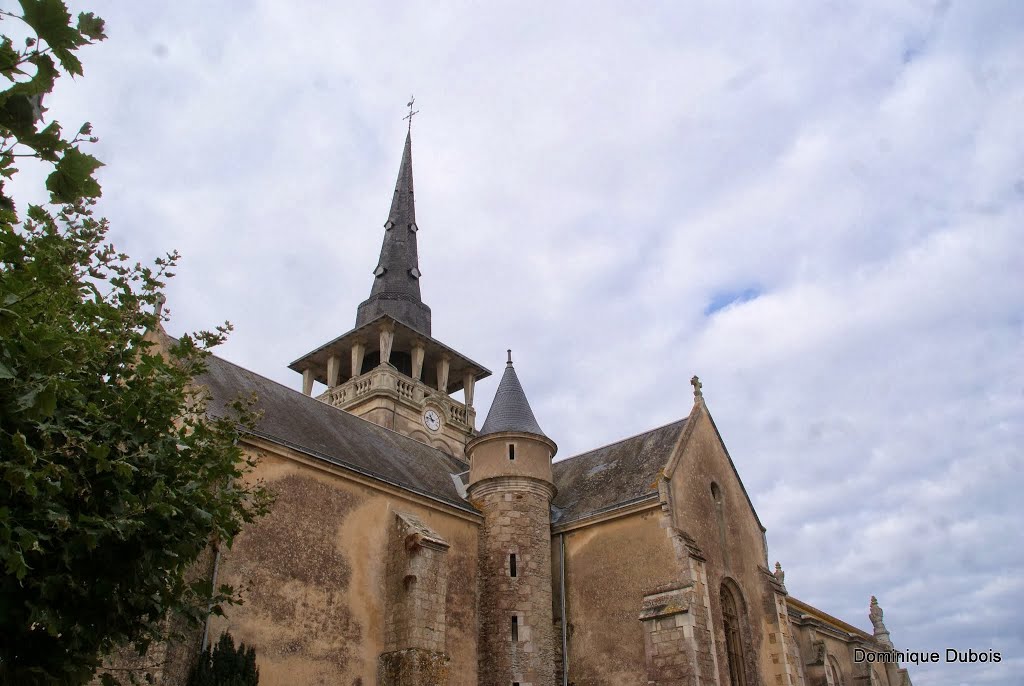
(622, 440)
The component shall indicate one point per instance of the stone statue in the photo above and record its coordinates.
(779, 574)
(875, 615)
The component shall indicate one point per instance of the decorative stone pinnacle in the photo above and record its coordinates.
(161, 299)
(697, 385)
(875, 615)
(779, 574)
(509, 356)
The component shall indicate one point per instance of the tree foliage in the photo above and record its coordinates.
(113, 478)
(226, 665)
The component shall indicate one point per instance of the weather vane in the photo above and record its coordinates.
(412, 101)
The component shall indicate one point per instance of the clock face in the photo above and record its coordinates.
(432, 420)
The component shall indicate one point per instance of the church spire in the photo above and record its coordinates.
(396, 284)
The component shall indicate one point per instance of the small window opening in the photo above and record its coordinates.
(515, 683)
(515, 629)
(511, 451)
(512, 565)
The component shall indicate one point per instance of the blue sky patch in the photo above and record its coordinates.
(723, 299)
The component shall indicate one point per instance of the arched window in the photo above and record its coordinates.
(832, 672)
(733, 644)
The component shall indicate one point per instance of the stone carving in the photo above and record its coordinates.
(779, 574)
(875, 615)
(697, 385)
(387, 339)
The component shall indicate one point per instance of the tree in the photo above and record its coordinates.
(113, 478)
(226, 665)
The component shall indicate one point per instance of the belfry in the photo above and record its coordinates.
(388, 369)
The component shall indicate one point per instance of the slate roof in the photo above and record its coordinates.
(613, 475)
(510, 410)
(396, 284)
(320, 430)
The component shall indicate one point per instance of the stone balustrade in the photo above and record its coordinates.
(405, 388)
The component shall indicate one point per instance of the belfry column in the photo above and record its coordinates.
(510, 482)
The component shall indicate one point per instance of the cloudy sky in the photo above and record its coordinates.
(818, 207)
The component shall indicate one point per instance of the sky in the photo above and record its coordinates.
(817, 207)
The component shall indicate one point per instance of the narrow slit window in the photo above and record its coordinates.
(511, 451)
(512, 565)
(515, 629)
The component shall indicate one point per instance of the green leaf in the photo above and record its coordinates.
(51, 21)
(46, 402)
(6, 372)
(72, 179)
(91, 26)
(17, 113)
(9, 59)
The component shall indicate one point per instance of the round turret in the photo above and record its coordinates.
(510, 482)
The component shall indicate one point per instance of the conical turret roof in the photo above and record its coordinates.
(510, 410)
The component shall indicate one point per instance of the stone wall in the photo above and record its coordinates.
(415, 616)
(313, 576)
(516, 521)
(708, 505)
(609, 568)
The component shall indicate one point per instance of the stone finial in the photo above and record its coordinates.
(779, 574)
(509, 356)
(697, 385)
(161, 300)
(875, 615)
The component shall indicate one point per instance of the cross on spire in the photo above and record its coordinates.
(412, 101)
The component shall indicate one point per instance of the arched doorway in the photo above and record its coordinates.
(733, 644)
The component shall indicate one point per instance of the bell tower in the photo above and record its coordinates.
(388, 369)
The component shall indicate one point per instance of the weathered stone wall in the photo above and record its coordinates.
(610, 567)
(516, 521)
(414, 613)
(416, 586)
(313, 577)
(822, 639)
(669, 639)
(783, 662)
(708, 504)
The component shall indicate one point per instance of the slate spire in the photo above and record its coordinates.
(396, 283)
(510, 410)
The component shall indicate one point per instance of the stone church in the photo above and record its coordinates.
(407, 546)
